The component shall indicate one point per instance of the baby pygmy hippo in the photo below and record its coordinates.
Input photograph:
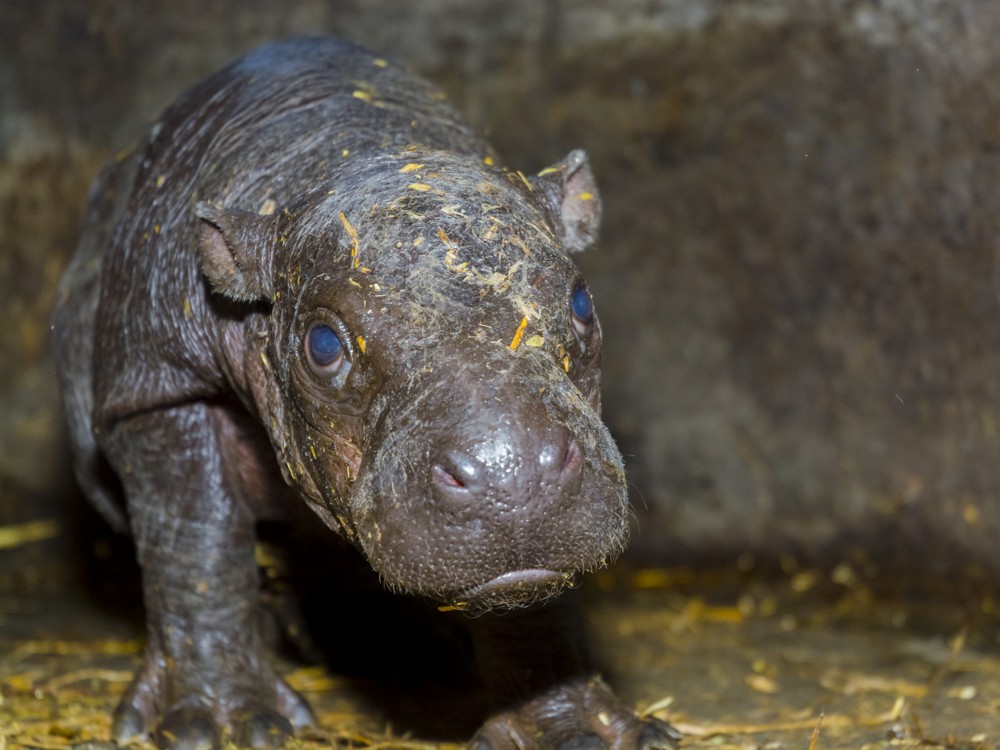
(313, 282)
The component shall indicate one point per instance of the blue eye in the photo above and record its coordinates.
(324, 347)
(582, 306)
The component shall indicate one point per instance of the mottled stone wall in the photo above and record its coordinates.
(798, 280)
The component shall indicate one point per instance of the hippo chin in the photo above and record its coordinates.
(311, 281)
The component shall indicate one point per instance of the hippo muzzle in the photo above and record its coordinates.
(483, 497)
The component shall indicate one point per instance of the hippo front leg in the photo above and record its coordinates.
(204, 673)
(546, 694)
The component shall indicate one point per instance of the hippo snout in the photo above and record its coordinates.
(491, 511)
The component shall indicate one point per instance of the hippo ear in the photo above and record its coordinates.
(235, 248)
(572, 197)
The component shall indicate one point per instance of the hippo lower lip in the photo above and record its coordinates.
(517, 588)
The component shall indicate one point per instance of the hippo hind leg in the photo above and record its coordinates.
(73, 321)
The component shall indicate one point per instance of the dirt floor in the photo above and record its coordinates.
(732, 658)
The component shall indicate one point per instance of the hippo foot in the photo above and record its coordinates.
(257, 710)
(582, 715)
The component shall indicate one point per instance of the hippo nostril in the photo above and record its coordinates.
(456, 470)
(573, 460)
(445, 477)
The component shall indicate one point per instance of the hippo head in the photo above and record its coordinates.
(428, 368)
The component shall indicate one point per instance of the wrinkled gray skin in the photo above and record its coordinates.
(455, 440)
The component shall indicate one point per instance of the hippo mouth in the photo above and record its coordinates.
(518, 588)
